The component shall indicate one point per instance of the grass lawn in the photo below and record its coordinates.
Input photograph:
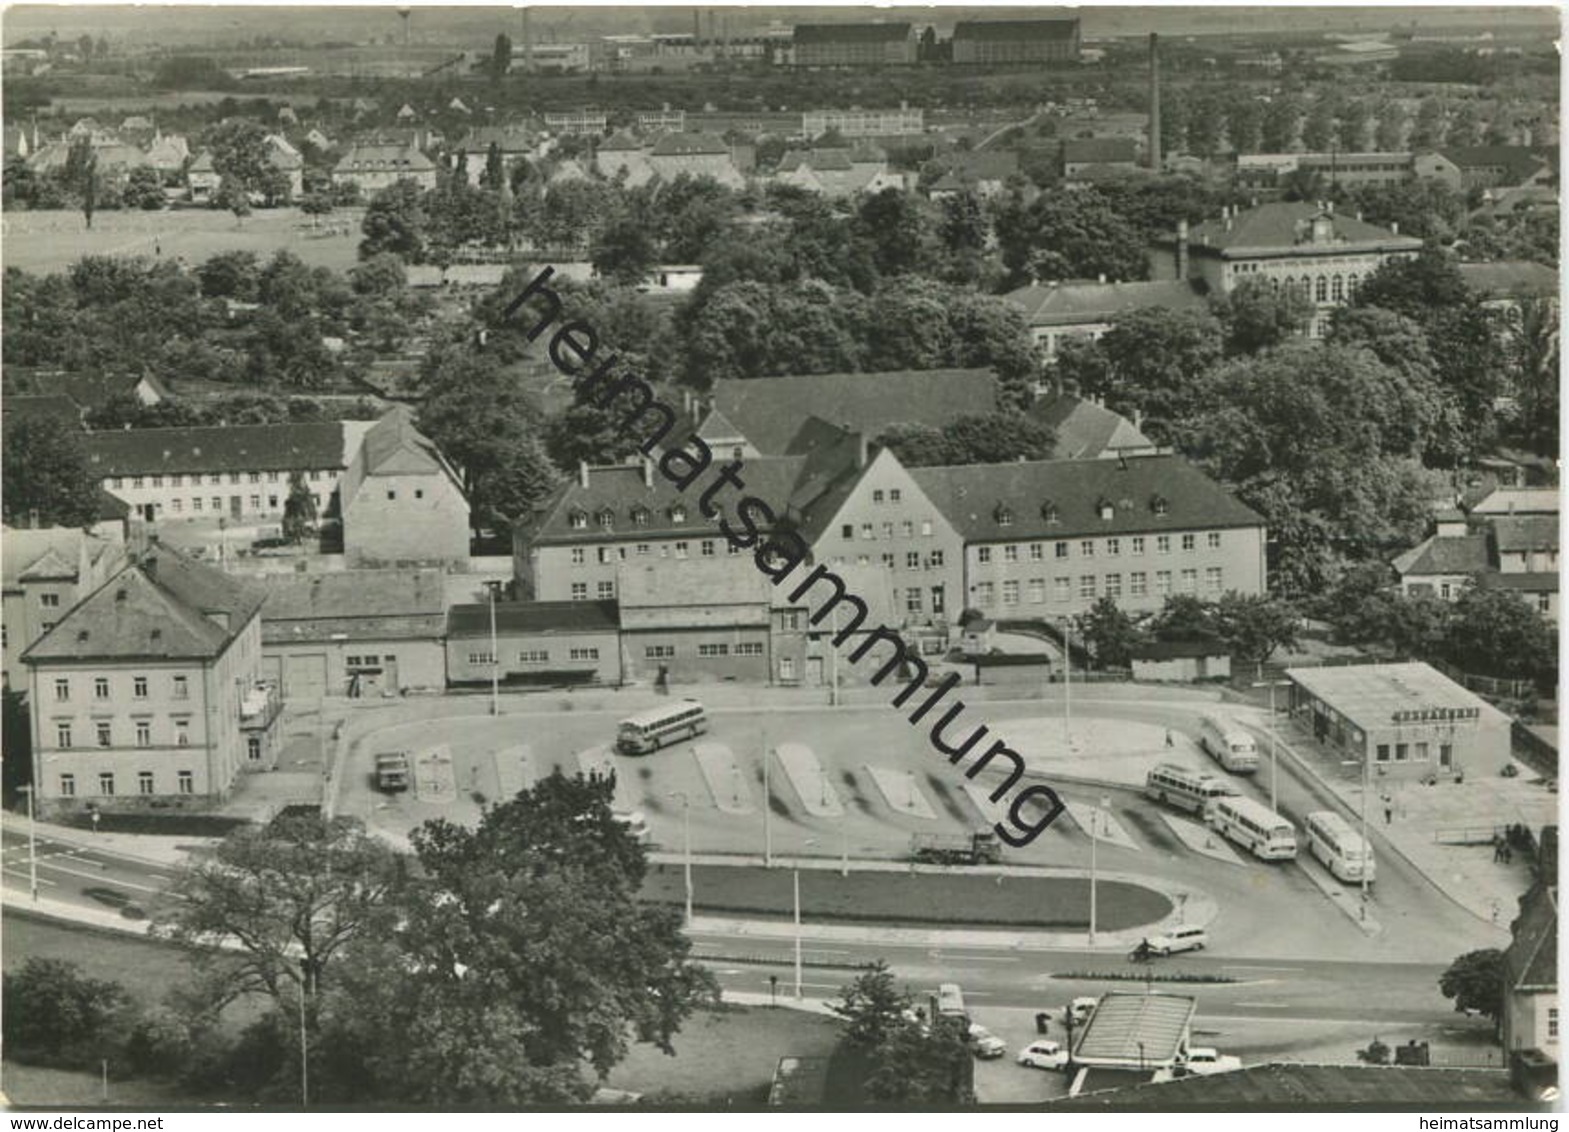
(50, 241)
(69, 1088)
(146, 968)
(958, 899)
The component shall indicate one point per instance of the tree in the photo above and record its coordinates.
(1184, 617)
(1069, 236)
(230, 275)
(395, 222)
(624, 252)
(520, 954)
(144, 189)
(1496, 633)
(56, 1014)
(1318, 131)
(1109, 633)
(1245, 125)
(1476, 981)
(1430, 126)
(923, 1067)
(271, 912)
(1155, 361)
(299, 510)
(382, 276)
(1534, 363)
(1255, 625)
(1257, 315)
(873, 1007)
(242, 158)
(586, 434)
(48, 482)
(917, 445)
(1426, 208)
(997, 438)
(897, 229)
(234, 196)
(81, 171)
(501, 57)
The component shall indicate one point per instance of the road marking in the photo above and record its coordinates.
(1265, 1005)
(23, 873)
(1239, 968)
(115, 881)
(825, 951)
(980, 958)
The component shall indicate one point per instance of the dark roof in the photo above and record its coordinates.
(1098, 151)
(1541, 582)
(1525, 532)
(162, 605)
(769, 411)
(1076, 302)
(534, 617)
(1085, 430)
(216, 448)
(353, 604)
(1296, 1087)
(620, 142)
(507, 139)
(1532, 956)
(686, 145)
(1516, 160)
(846, 33)
(1283, 226)
(1172, 650)
(1015, 29)
(1510, 277)
(1446, 554)
(1069, 492)
(88, 390)
(394, 447)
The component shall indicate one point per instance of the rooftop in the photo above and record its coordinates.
(1518, 501)
(1086, 430)
(473, 620)
(1285, 1086)
(1373, 696)
(1445, 554)
(689, 145)
(1532, 956)
(847, 33)
(216, 448)
(1098, 151)
(1015, 29)
(48, 552)
(1052, 304)
(356, 604)
(1130, 1030)
(1510, 278)
(1514, 533)
(1286, 226)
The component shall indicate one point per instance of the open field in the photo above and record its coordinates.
(53, 240)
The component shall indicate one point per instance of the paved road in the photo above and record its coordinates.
(78, 874)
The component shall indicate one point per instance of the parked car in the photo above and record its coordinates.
(1203, 1061)
(635, 824)
(1080, 1009)
(985, 1044)
(1043, 1055)
(1179, 939)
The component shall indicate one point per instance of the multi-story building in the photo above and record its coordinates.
(1048, 539)
(858, 123)
(1468, 167)
(1056, 312)
(708, 619)
(564, 57)
(696, 155)
(47, 572)
(402, 502)
(148, 692)
(1324, 254)
(1518, 553)
(577, 122)
(1016, 41)
(622, 156)
(234, 472)
(1530, 1018)
(854, 45)
(353, 632)
(512, 144)
(1338, 170)
(375, 166)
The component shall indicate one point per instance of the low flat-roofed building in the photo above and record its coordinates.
(1140, 1032)
(1287, 1087)
(696, 620)
(1409, 720)
(1182, 661)
(535, 642)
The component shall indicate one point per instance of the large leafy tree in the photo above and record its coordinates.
(48, 481)
(241, 156)
(57, 1014)
(1256, 315)
(1475, 981)
(1074, 235)
(1255, 625)
(299, 509)
(1110, 634)
(903, 1059)
(1151, 363)
(1496, 633)
(521, 965)
(395, 221)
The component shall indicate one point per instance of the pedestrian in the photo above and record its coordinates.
(1389, 808)
(1509, 855)
(1168, 737)
(1498, 849)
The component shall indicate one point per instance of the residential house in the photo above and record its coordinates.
(1527, 550)
(283, 157)
(1087, 430)
(1517, 501)
(854, 45)
(1447, 561)
(1505, 285)
(1048, 539)
(354, 632)
(203, 178)
(234, 472)
(837, 173)
(1463, 168)
(622, 155)
(46, 572)
(1301, 244)
(1056, 312)
(375, 166)
(403, 504)
(1530, 1019)
(534, 642)
(513, 144)
(148, 692)
(696, 155)
(1515, 552)
(1016, 41)
(169, 154)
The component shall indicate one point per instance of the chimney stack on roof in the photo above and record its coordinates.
(582, 473)
(648, 472)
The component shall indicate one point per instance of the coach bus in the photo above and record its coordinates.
(1255, 827)
(649, 730)
(1229, 745)
(1339, 847)
(1185, 788)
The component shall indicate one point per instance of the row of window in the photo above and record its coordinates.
(179, 688)
(534, 656)
(103, 733)
(1412, 752)
(743, 648)
(906, 529)
(1110, 547)
(1335, 288)
(707, 548)
(146, 783)
(117, 482)
(894, 495)
(177, 505)
(604, 591)
(606, 518)
(914, 600)
(1110, 585)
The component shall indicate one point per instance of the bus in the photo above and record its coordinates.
(1185, 788)
(1229, 745)
(950, 1004)
(1255, 827)
(1339, 848)
(649, 730)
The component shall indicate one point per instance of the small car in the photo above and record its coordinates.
(1080, 1009)
(984, 1044)
(1041, 1054)
(1203, 1061)
(1178, 939)
(635, 824)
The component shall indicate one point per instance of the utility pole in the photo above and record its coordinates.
(686, 846)
(1274, 754)
(495, 655)
(32, 844)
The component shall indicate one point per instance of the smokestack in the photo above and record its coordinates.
(1182, 249)
(1154, 144)
(582, 473)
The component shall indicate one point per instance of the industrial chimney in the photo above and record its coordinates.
(1154, 142)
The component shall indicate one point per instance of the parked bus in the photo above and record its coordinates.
(1229, 745)
(1255, 827)
(1186, 788)
(649, 730)
(1339, 847)
(950, 1004)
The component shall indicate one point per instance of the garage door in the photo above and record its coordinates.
(305, 676)
(272, 669)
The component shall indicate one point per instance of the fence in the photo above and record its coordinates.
(1488, 685)
(1537, 752)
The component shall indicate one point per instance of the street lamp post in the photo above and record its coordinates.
(795, 880)
(32, 845)
(495, 655)
(768, 819)
(1095, 817)
(686, 848)
(1274, 756)
(1067, 685)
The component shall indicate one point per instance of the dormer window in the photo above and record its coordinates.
(1159, 505)
(607, 519)
(579, 520)
(1105, 509)
(1003, 515)
(640, 516)
(678, 514)
(1049, 511)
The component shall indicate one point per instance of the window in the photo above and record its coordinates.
(749, 648)
(934, 560)
(847, 531)
(983, 555)
(1086, 585)
(196, 503)
(68, 786)
(678, 514)
(1087, 548)
(1037, 591)
(1060, 588)
(1004, 517)
(1137, 546)
(1037, 551)
(100, 687)
(534, 656)
(1162, 544)
(607, 520)
(49, 601)
(579, 521)
(62, 735)
(659, 652)
(1189, 542)
(579, 591)
(583, 654)
(136, 481)
(983, 593)
(1159, 506)
(177, 505)
(1190, 581)
(907, 529)
(217, 503)
(1544, 603)
(157, 481)
(182, 733)
(606, 591)
(887, 530)
(1010, 593)
(1401, 750)
(579, 556)
(1421, 753)
(144, 782)
(182, 688)
(877, 497)
(713, 650)
(640, 516)
(116, 483)
(484, 656)
(1552, 1022)
(256, 501)
(642, 548)
(867, 532)
(1212, 581)
(139, 687)
(939, 599)
(1010, 553)
(912, 560)
(144, 733)
(1113, 585)
(106, 784)
(1162, 583)
(1138, 584)
(863, 560)
(1320, 289)
(706, 547)
(912, 599)
(926, 528)
(62, 689)
(1059, 550)
(894, 494)
(1113, 547)
(256, 477)
(1212, 540)
(681, 549)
